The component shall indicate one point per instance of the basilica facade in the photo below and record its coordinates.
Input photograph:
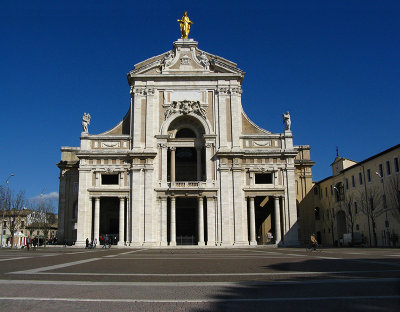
(185, 166)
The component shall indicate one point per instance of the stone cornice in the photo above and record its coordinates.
(106, 137)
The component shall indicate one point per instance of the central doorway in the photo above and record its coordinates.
(186, 221)
(109, 220)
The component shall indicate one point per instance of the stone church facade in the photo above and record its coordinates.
(185, 166)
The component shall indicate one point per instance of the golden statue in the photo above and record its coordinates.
(185, 25)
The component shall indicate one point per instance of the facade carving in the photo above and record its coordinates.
(185, 165)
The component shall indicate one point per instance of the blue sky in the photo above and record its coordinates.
(333, 64)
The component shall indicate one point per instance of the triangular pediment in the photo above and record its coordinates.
(185, 59)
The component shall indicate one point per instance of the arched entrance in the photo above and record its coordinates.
(186, 155)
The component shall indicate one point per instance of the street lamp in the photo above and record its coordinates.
(4, 206)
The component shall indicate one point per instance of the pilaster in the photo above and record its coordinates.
(121, 238)
(173, 222)
(211, 221)
(201, 222)
(163, 221)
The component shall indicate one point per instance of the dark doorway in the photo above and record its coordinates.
(186, 221)
(109, 219)
(263, 209)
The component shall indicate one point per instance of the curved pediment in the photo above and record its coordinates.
(185, 58)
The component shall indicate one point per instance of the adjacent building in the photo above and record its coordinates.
(185, 166)
(358, 205)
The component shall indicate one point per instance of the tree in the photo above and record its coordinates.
(330, 219)
(42, 217)
(369, 199)
(393, 194)
(13, 208)
(351, 214)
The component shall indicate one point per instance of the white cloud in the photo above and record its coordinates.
(49, 196)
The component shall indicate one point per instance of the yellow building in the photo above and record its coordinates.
(358, 205)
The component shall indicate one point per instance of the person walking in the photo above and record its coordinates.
(95, 243)
(87, 243)
(28, 242)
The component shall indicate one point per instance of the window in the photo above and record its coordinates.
(5, 224)
(396, 164)
(317, 213)
(263, 178)
(347, 184)
(355, 208)
(369, 175)
(22, 224)
(185, 133)
(349, 208)
(388, 170)
(109, 179)
(353, 182)
(381, 170)
(360, 178)
(357, 227)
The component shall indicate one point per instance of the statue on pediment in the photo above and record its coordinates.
(204, 60)
(85, 122)
(185, 24)
(168, 58)
(287, 121)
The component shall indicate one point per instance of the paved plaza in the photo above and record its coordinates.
(189, 279)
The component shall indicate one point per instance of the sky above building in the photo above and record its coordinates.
(334, 65)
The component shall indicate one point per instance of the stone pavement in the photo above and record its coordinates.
(182, 279)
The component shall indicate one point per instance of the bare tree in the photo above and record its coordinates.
(393, 194)
(13, 209)
(351, 214)
(41, 218)
(369, 199)
(330, 219)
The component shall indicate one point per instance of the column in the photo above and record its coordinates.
(201, 222)
(163, 221)
(164, 164)
(209, 174)
(121, 240)
(172, 165)
(211, 221)
(96, 219)
(173, 222)
(128, 221)
(199, 169)
(277, 212)
(252, 222)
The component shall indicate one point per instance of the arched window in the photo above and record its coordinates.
(185, 133)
